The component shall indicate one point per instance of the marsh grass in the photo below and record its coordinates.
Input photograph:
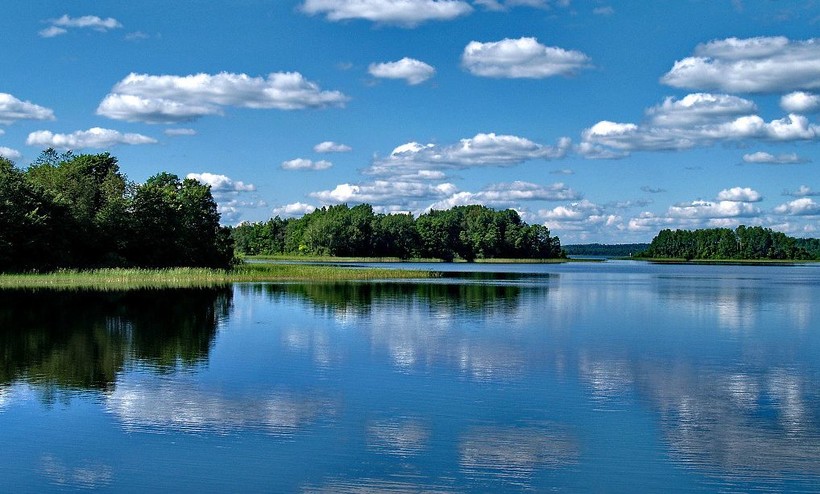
(130, 279)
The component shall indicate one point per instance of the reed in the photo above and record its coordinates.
(126, 279)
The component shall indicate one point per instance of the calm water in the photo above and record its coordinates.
(611, 377)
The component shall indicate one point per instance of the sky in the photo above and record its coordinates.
(606, 121)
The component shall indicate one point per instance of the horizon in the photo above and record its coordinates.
(607, 122)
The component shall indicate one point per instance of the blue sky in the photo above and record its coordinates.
(605, 121)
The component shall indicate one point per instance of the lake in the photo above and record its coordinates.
(578, 377)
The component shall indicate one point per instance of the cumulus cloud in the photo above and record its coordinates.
(580, 219)
(698, 109)
(172, 99)
(752, 65)
(179, 132)
(507, 194)
(804, 206)
(305, 164)
(802, 191)
(294, 209)
(800, 102)
(13, 109)
(331, 147)
(221, 183)
(411, 70)
(521, 58)
(95, 137)
(384, 192)
(739, 194)
(480, 150)
(713, 209)
(762, 157)
(10, 154)
(63, 24)
(405, 13)
(696, 120)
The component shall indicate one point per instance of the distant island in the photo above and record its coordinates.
(753, 243)
(468, 233)
(605, 250)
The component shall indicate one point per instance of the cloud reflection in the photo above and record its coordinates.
(514, 454)
(165, 407)
(398, 437)
(87, 475)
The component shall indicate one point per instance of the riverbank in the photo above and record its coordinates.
(738, 262)
(129, 279)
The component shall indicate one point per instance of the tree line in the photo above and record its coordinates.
(80, 211)
(465, 232)
(724, 243)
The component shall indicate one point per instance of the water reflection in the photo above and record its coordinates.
(400, 436)
(82, 340)
(88, 474)
(152, 406)
(514, 454)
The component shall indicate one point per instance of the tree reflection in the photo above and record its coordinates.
(463, 294)
(81, 340)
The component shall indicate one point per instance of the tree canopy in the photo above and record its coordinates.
(465, 232)
(80, 211)
(754, 243)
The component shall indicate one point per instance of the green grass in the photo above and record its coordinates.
(128, 279)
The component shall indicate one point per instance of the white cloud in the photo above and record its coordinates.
(170, 99)
(480, 150)
(406, 13)
(521, 58)
(804, 206)
(652, 190)
(580, 219)
(384, 192)
(305, 164)
(711, 209)
(800, 102)
(294, 209)
(739, 194)
(498, 5)
(608, 10)
(753, 65)
(802, 191)
(696, 120)
(508, 194)
(95, 137)
(10, 154)
(331, 147)
(762, 157)
(64, 23)
(221, 183)
(13, 109)
(179, 132)
(698, 109)
(411, 70)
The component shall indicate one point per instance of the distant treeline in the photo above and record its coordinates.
(80, 211)
(605, 250)
(754, 243)
(465, 232)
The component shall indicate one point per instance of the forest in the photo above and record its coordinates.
(746, 243)
(80, 211)
(463, 232)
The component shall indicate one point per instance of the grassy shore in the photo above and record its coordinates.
(364, 260)
(127, 279)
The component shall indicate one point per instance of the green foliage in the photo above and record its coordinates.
(80, 211)
(465, 232)
(752, 243)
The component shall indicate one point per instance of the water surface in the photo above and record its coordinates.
(606, 377)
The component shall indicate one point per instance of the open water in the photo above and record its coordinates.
(582, 377)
